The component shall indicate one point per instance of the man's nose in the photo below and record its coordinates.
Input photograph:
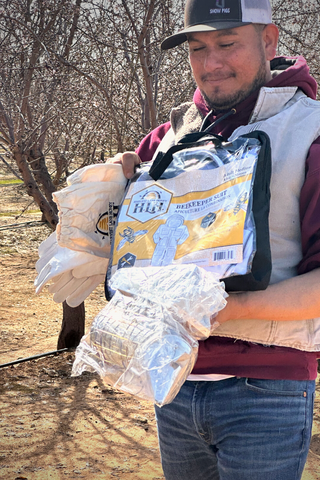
(212, 61)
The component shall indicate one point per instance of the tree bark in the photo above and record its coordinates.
(32, 187)
(41, 175)
(72, 328)
(150, 111)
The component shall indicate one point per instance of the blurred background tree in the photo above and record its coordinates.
(298, 22)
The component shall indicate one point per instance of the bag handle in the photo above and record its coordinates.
(163, 160)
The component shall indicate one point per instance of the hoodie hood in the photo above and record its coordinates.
(293, 72)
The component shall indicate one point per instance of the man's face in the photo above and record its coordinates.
(228, 65)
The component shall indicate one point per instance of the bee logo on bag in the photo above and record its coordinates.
(149, 203)
(106, 221)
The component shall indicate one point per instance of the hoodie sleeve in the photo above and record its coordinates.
(310, 212)
(150, 143)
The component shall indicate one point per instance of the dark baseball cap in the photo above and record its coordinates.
(210, 15)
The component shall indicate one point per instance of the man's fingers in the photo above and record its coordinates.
(129, 161)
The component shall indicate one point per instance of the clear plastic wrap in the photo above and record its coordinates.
(189, 293)
(137, 346)
(144, 342)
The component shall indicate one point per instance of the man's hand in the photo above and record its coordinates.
(129, 162)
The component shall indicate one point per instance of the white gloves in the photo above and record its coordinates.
(74, 274)
(75, 285)
(75, 257)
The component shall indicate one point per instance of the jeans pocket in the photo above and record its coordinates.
(292, 388)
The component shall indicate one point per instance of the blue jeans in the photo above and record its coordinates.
(237, 429)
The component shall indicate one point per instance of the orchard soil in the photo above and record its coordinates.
(54, 426)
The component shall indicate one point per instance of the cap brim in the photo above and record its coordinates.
(181, 37)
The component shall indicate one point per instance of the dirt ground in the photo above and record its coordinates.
(54, 426)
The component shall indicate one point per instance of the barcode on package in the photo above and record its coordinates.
(229, 254)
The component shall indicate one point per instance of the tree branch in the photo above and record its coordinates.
(10, 168)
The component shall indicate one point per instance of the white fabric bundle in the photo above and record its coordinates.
(75, 257)
(89, 199)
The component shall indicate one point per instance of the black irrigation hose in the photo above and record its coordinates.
(40, 355)
(24, 224)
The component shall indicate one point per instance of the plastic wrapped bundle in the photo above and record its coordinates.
(189, 292)
(138, 347)
(144, 342)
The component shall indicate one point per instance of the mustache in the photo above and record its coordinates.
(216, 76)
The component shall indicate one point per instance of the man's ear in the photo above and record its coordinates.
(270, 36)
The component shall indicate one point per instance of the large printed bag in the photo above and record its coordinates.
(206, 202)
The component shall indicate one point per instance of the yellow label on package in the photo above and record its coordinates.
(196, 217)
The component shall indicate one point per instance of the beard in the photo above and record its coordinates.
(221, 104)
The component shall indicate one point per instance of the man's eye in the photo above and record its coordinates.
(197, 49)
(226, 45)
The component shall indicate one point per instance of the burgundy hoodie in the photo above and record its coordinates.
(235, 357)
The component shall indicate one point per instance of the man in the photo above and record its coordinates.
(245, 412)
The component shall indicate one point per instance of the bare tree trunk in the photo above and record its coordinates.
(72, 328)
(150, 111)
(73, 29)
(61, 166)
(38, 165)
(32, 188)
